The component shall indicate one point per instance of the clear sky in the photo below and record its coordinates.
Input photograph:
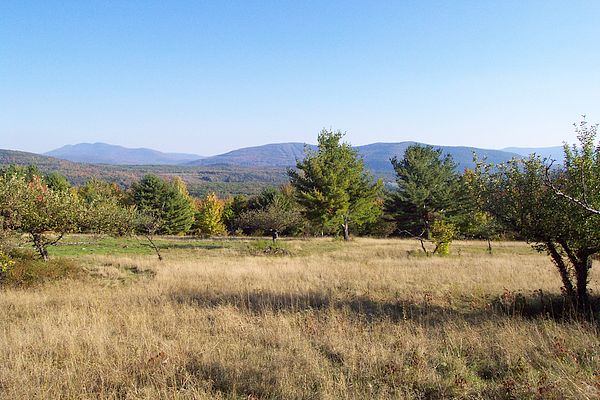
(207, 77)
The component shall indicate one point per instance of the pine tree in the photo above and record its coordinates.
(166, 202)
(427, 188)
(333, 186)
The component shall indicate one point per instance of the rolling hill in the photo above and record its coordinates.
(223, 180)
(274, 154)
(102, 153)
(242, 171)
(376, 155)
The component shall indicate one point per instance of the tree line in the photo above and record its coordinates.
(330, 192)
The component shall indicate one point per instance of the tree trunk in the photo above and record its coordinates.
(155, 247)
(563, 270)
(346, 230)
(489, 246)
(582, 262)
(581, 275)
(40, 246)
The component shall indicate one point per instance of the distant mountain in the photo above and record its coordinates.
(377, 155)
(77, 173)
(281, 155)
(554, 153)
(275, 154)
(223, 180)
(102, 153)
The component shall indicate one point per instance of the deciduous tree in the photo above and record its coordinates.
(538, 204)
(45, 215)
(209, 216)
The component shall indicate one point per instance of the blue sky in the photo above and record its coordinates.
(207, 77)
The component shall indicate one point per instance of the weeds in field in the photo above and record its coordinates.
(362, 320)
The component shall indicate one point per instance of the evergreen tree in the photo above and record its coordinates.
(166, 202)
(333, 187)
(56, 181)
(427, 189)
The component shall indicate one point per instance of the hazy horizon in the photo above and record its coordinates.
(192, 152)
(210, 78)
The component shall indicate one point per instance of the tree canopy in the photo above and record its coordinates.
(166, 201)
(551, 207)
(427, 189)
(333, 187)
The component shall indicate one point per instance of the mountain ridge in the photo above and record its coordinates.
(376, 155)
(283, 155)
(104, 153)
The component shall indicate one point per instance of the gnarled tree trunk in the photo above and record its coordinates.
(40, 245)
(563, 269)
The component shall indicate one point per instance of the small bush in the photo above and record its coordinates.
(442, 234)
(28, 271)
(6, 263)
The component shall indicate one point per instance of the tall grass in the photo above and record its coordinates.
(370, 319)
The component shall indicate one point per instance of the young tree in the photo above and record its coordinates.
(333, 187)
(149, 224)
(44, 214)
(537, 203)
(105, 209)
(56, 181)
(473, 221)
(234, 207)
(166, 201)
(427, 188)
(209, 216)
(273, 211)
(273, 218)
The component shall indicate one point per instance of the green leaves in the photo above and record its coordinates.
(166, 201)
(29, 206)
(427, 189)
(551, 206)
(333, 187)
(209, 216)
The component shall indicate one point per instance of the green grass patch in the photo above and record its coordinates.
(85, 245)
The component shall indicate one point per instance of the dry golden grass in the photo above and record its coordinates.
(370, 319)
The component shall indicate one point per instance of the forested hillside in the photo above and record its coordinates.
(223, 180)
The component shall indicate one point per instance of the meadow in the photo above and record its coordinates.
(305, 319)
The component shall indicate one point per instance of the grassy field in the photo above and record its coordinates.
(310, 319)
